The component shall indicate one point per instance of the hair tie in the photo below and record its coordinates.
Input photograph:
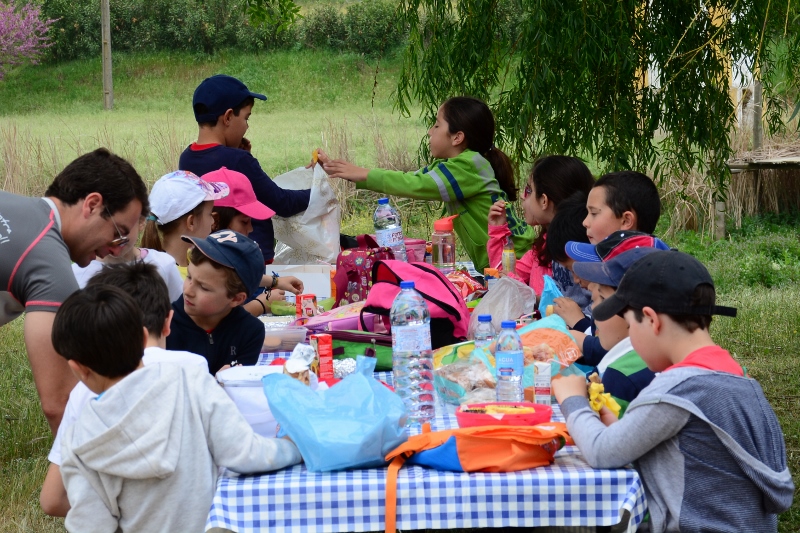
(152, 217)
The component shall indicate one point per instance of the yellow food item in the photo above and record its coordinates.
(508, 410)
(548, 310)
(315, 156)
(599, 398)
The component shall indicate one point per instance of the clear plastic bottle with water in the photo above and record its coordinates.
(412, 357)
(509, 360)
(388, 229)
(484, 332)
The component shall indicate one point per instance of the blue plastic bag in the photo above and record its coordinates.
(549, 293)
(354, 424)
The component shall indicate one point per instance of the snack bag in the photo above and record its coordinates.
(455, 381)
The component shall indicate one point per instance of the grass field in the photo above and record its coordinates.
(51, 114)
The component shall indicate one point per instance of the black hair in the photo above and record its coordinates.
(473, 117)
(558, 176)
(233, 283)
(567, 225)
(704, 295)
(224, 217)
(101, 328)
(632, 191)
(102, 172)
(148, 289)
(202, 109)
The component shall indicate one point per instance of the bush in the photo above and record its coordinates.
(323, 27)
(372, 27)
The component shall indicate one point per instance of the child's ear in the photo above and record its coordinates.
(653, 320)
(165, 329)
(215, 225)
(82, 372)
(227, 117)
(458, 138)
(628, 220)
(238, 299)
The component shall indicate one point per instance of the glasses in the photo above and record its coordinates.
(527, 191)
(121, 239)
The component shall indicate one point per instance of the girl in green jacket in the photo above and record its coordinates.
(468, 174)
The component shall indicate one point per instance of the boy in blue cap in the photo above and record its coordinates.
(222, 106)
(702, 436)
(225, 269)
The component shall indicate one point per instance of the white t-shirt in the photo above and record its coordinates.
(81, 395)
(163, 261)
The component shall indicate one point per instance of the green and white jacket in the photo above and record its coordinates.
(467, 186)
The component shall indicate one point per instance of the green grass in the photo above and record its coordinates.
(50, 114)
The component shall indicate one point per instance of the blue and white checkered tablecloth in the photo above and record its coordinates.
(566, 493)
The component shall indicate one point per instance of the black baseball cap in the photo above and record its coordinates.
(664, 281)
(233, 250)
(218, 94)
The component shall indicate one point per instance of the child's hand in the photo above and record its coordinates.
(567, 309)
(342, 169)
(607, 416)
(245, 145)
(277, 295)
(568, 386)
(579, 336)
(291, 284)
(497, 214)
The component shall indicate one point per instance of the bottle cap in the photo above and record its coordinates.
(383, 201)
(484, 318)
(444, 224)
(406, 284)
(508, 324)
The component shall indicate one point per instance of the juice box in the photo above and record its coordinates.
(490, 276)
(323, 346)
(540, 392)
(305, 305)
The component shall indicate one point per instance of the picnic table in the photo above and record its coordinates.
(566, 493)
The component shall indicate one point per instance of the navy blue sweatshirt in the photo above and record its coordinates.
(284, 202)
(238, 337)
(593, 351)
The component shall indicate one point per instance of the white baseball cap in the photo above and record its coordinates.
(177, 193)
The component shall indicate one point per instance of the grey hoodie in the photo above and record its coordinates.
(707, 445)
(145, 455)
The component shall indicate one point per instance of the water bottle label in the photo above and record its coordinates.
(389, 237)
(411, 338)
(509, 363)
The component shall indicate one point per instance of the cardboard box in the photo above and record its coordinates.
(323, 346)
(316, 278)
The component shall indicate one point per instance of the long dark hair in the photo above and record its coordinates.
(475, 119)
(559, 177)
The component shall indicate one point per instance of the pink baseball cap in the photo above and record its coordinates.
(242, 196)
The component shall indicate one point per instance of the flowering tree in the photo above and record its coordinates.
(22, 35)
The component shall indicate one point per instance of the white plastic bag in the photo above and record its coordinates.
(312, 235)
(508, 299)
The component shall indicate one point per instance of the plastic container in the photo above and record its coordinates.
(509, 361)
(283, 339)
(484, 332)
(443, 245)
(412, 357)
(388, 229)
(509, 258)
(542, 415)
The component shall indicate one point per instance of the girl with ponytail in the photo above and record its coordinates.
(468, 173)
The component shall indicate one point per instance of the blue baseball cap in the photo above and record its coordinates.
(612, 246)
(610, 272)
(233, 250)
(218, 94)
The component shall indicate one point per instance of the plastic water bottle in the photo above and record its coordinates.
(509, 360)
(509, 260)
(443, 245)
(484, 332)
(412, 357)
(388, 229)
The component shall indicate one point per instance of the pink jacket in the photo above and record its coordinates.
(528, 269)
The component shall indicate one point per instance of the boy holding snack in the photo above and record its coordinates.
(143, 282)
(703, 437)
(225, 269)
(222, 106)
(144, 455)
(623, 373)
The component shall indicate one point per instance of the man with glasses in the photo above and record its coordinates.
(90, 210)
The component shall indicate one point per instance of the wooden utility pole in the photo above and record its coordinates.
(105, 33)
(758, 130)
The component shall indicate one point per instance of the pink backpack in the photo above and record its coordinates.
(449, 315)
